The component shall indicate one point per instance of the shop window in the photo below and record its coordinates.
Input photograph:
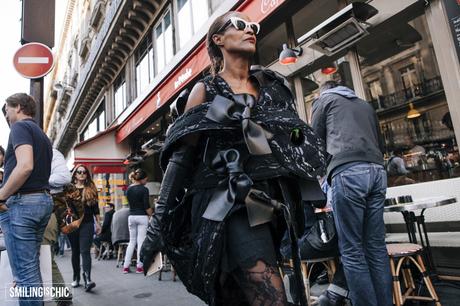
(144, 65)
(119, 89)
(191, 14)
(111, 183)
(413, 111)
(163, 35)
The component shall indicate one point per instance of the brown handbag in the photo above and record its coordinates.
(73, 225)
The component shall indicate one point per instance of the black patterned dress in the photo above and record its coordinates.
(245, 144)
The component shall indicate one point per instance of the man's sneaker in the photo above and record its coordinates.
(125, 270)
(139, 270)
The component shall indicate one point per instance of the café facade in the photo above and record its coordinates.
(401, 56)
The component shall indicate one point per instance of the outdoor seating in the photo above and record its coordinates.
(402, 255)
(122, 246)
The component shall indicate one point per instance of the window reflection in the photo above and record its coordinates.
(403, 84)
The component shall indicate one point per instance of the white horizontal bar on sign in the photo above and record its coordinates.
(33, 60)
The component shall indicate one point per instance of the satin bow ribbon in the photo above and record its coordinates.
(232, 189)
(224, 111)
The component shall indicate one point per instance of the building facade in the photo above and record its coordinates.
(122, 63)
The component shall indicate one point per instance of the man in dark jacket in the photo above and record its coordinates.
(106, 232)
(350, 128)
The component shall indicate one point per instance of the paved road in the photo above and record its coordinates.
(115, 288)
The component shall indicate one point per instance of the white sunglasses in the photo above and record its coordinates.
(241, 25)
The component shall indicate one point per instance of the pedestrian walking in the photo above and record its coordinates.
(59, 177)
(83, 202)
(139, 213)
(237, 152)
(350, 128)
(25, 202)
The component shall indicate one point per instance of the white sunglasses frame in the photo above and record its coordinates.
(234, 20)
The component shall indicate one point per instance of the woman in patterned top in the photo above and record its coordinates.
(234, 162)
(83, 202)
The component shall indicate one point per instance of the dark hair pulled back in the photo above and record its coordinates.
(217, 59)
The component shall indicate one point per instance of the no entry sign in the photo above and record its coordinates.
(33, 60)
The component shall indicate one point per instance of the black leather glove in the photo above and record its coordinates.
(172, 187)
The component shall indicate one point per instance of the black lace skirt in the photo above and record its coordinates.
(242, 245)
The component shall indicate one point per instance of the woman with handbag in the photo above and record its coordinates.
(139, 212)
(83, 204)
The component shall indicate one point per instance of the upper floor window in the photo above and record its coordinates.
(215, 4)
(119, 88)
(144, 65)
(96, 124)
(163, 36)
(191, 14)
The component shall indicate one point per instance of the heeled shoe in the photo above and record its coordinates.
(330, 298)
(75, 284)
(89, 285)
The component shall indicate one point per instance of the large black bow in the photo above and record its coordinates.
(224, 110)
(232, 189)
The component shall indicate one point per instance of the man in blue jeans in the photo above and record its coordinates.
(350, 128)
(25, 202)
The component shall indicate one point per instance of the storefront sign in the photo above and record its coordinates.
(453, 15)
(183, 78)
(191, 67)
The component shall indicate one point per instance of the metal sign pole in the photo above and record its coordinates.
(36, 91)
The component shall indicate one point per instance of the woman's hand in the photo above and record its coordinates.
(98, 228)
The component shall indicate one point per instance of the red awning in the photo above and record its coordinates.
(101, 149)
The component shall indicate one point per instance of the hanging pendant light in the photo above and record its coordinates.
(289, 55)
(413, 112)
(330, 69)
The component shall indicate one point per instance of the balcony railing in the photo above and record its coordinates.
(402, 97)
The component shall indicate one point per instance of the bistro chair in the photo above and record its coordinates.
(307, 268)
(104, 250)
(401, 256)
(122, 246)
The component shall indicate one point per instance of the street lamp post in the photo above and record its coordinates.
(37, 25)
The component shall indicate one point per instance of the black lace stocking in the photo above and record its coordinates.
(262, 285)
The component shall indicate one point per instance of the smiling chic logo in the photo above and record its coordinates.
(267, 5)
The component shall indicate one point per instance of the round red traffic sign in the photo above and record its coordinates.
(33, 60)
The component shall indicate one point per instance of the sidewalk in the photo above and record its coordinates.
(115, 288)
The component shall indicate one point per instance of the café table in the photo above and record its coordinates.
(416, 223)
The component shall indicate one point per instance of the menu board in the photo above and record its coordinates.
(453, 14)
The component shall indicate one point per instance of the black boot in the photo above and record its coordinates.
(76, 280)
(330, 298)
(88, 283)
